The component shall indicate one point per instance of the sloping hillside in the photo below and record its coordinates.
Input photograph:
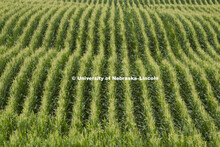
(159, 60)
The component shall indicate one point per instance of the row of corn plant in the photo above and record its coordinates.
(49, 98)
(24, 22)
(50, 34)
(37, 37)
(63, 27)
(8, 29)
(27, 118)
(112, 124)
(81, 107)
(172, 57)
(130, 125)
(7, 15)
(12, 70)
(67, 86)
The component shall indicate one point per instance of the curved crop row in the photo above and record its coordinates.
(50, 49)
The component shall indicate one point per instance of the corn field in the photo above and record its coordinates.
(45, 44)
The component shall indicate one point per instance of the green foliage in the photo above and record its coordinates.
(43, 44)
